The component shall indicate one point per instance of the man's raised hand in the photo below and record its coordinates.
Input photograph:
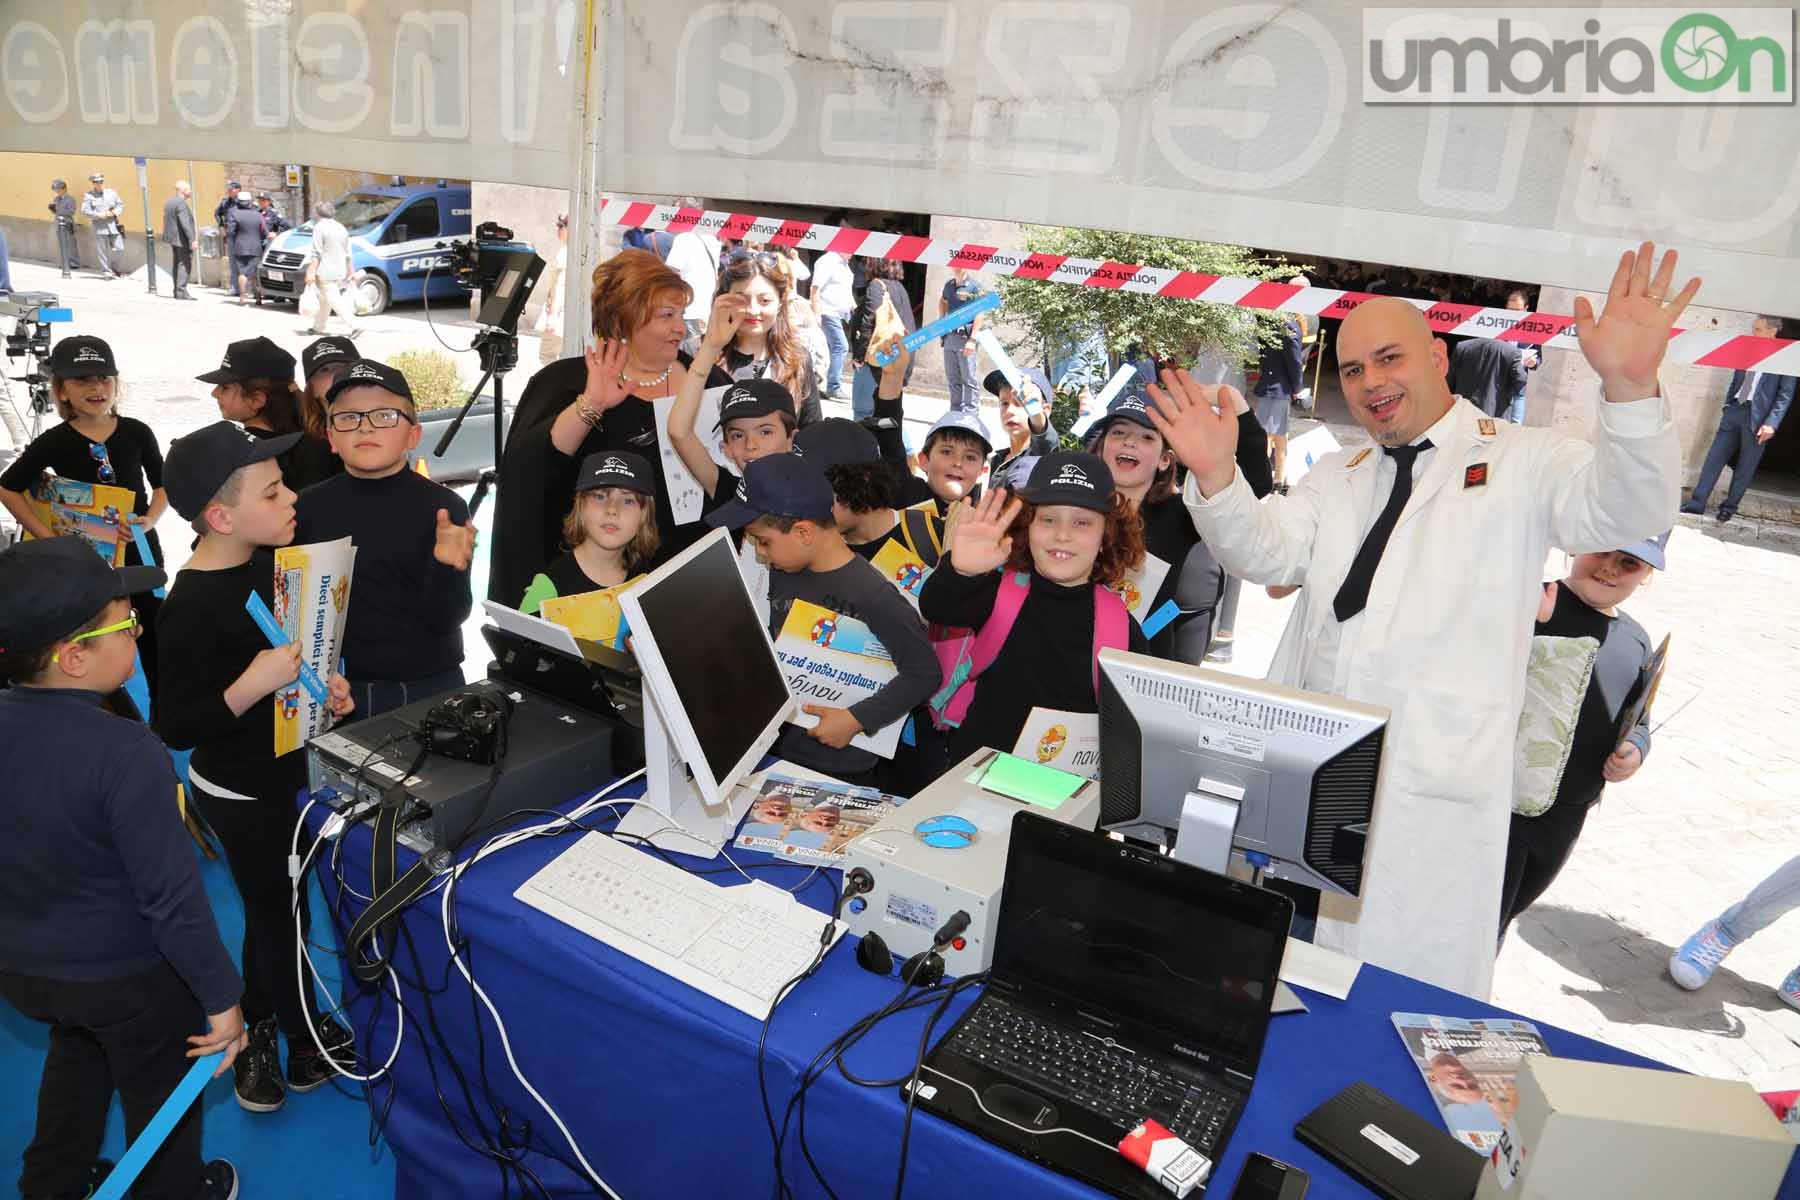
(1199, 423)
(1625, 343)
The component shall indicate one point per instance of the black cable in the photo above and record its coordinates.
(912, 1089)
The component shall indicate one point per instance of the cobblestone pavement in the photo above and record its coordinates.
(1712, 812)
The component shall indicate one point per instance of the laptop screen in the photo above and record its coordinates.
(1141, 937)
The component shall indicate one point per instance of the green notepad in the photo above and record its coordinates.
(1033, 783)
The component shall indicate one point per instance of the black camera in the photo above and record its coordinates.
(500, 269)
(470, 725)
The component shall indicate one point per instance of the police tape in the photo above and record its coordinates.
(1694, 347)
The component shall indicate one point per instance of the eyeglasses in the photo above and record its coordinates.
(132, 623)
(376, 418)
(100, 456)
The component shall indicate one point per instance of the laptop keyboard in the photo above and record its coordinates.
(1071, 1066)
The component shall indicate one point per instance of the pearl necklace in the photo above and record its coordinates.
(660, 379)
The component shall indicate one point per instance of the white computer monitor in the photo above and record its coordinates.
(714, 694)
(1224, 765)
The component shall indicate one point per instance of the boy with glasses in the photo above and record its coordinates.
(414, 544)
(106, 935)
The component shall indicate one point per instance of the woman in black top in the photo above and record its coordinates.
(767, 344)
(884, 284)
(579, 406)
(94, 444)
(1144, 474)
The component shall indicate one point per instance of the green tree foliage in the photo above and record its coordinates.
(434, 377)
(1062, 315)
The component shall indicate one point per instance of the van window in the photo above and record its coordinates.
(420, 220)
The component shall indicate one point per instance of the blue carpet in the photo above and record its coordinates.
(316, 1147)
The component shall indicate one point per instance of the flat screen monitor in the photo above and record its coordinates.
(1222, 764)
(714, 694)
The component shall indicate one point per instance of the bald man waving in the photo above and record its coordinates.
(1421, 562)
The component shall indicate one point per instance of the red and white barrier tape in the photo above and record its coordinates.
(1777, 356)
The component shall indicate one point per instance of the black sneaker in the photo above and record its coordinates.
(307, 1068)
(218, 1181)
(258, 1071)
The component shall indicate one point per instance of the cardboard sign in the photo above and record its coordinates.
(902, 568)
(686, 498)
(1139, 588)
(592, 616)
(312, 598)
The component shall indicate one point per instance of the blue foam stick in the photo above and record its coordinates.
(1154, 624)
(924, 334)
(143, 548)
(51, 315)
(151, 1139)
(265, 620)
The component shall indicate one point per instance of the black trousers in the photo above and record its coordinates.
(1536, 851)
(124, 1035)
(181, 267)
(256, 836)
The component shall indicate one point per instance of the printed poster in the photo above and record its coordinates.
(686, 498)
(811, 820)
(312, 595)
(902, 568)
(1064, 740)
(95, 512)
(1469, 1066)
(834, 660)
(592, 616)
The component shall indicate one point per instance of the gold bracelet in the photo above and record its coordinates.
(589, 416)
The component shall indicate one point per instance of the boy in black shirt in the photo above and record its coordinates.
(954, 459)
(220, 703)
(414, 543)
(105, 931)
(786, 514)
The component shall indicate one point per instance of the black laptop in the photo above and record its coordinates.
(1124, 985)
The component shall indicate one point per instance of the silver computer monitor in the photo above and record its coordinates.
(714, 694)
(1226, 765)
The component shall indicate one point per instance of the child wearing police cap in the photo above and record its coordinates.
(221, 704)
(95, 444)
(106, 935)
(414, 544)
(1046, 563)
(610, 529)
(322, 364)
(254, 386)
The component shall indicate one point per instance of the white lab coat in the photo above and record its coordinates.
(1443, 644)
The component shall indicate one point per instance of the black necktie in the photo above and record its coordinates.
(1353, 594)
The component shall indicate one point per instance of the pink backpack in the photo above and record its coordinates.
(964, 659)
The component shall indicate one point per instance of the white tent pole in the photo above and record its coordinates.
(585, 194)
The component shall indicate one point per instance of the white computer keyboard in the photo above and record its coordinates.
(737, 944)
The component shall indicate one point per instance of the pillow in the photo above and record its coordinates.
(1556, 681)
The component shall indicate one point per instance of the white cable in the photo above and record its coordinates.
(297, 872)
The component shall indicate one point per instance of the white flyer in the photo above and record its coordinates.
(1139, 588)
(686, 499)
(833, 660)
(1064, 740)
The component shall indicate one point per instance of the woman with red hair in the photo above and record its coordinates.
(583, 405)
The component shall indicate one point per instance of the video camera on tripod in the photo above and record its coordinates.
(504, 272)
(33, 313)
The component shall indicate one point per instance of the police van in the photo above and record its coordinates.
(397, 237)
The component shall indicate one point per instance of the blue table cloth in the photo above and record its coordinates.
(658, 1083)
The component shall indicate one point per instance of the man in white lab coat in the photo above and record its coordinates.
(1421, 561)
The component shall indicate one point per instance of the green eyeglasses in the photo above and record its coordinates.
(132, 623)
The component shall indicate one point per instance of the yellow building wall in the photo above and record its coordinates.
(25, 185)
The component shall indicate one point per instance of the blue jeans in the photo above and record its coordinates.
(1515, 412)
(840, 350)
(862, 393)
(376, 696)
(1767, 903)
